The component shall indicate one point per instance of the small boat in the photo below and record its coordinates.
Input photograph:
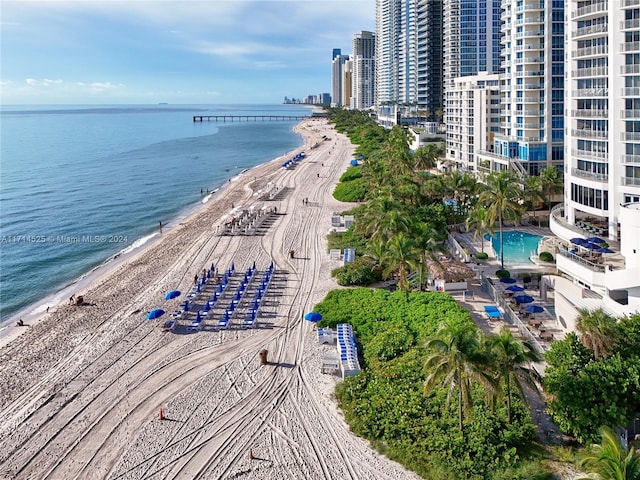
(168, 326)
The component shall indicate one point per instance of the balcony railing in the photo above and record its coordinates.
(590, 30)
(592, 92)
(589, 154)
(590, 72)
(590, 9)
(630, 69)
(630, 158)
(635, 181)
(597, 177)
(590, 113)
(590, 133)
(590, 51)
(626, 136)
(630, 47)
(596, 267)
(630, 24)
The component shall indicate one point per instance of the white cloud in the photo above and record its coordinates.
(41, 83)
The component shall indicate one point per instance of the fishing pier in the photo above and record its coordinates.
(247, 118)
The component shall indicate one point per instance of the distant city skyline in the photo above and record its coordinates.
(89, 52)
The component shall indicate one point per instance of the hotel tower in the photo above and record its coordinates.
(602, 159)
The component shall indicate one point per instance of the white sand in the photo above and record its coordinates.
(81, 390)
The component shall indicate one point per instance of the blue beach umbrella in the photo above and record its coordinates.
(354, 163)
(508, 280)
(578, 240)
(604, 250)
(597, 240)
(590, 246)
(158, 312)
(533, 309)
(515, 288)
(313, 317)
(523, 299)
(172, 294)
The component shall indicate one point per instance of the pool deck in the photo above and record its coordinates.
(543, 327)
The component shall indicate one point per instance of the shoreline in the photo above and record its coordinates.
(80, 394)
(36, 312)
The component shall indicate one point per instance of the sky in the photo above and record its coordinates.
(179, 52)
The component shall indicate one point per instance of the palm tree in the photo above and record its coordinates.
(427, 243)
(502, 199)
(461, 187)
(610, 460)
(511, 357)
(382, 218)
(598, 331)
(402, 257)
(552, 183)
(534, 192)
(478, 221)
(456, 362)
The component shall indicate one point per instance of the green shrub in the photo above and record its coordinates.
(356, 273)
(352, 191)
(482, 255)
(351, 174)
(546, 257)
(502, 273)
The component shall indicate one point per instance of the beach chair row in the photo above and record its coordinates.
(211, 301)
(237, 297)
(348, 350)
(251, 317)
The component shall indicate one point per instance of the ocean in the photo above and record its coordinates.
(82, 184)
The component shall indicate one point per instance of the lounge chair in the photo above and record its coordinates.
(492, 312)
(194, 326)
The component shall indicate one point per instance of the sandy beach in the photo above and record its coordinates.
(82, 389)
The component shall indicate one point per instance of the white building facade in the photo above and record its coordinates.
(602, 158)
(472, 107)
(363, 64)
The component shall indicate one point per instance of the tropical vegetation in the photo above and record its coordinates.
(593, 379)
(435, 394)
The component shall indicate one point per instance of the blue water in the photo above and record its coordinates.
(78, 184)
(518, 246)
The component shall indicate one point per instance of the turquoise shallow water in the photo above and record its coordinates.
(518, 246)
(78, 184)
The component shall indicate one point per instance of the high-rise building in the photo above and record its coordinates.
(347, 82)
(337, 79)
(473, 113)
(409, 53)
(336, 52)
(471, 45)
(602, 161)
(363, 70)
(532, 131)
(471, 38)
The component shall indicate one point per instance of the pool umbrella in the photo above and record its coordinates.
(158, 312)
(313, 317)
(508, 280)
(604, 250)
(533, 309)
(172, 294)
(523, 299)
(515, 288)
(578, 240)
(590, 246)
(595, 240)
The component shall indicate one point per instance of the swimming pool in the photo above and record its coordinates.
(518, 246)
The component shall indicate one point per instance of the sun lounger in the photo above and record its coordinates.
(194, 326)
(492, 312)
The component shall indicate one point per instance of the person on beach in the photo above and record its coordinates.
(160, 226)
(195, 280)
(71, 299)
